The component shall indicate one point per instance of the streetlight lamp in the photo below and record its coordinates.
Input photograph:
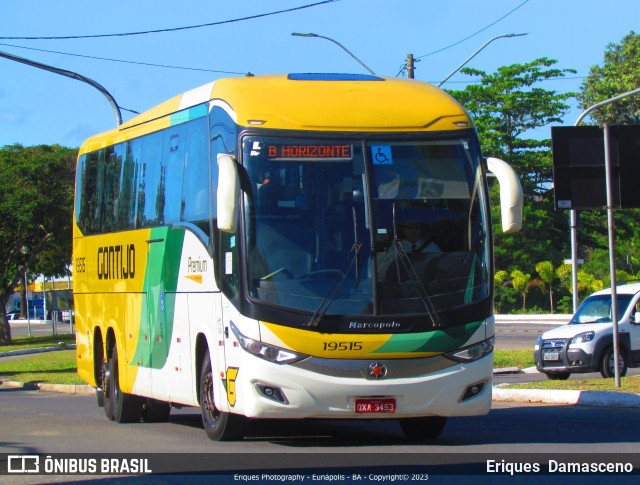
(297, 34)
(475, 53)
(72, 75)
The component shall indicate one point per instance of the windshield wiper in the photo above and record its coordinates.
(338, 281)
(402, 258)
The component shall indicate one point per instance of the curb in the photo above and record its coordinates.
(63, 388)
(38, 350)
(583, 398)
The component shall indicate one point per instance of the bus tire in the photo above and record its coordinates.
(219, 425)
(100, 397)
(607, 363)
(154, 411)
(119, 406)
(426, 428)
(106, 384)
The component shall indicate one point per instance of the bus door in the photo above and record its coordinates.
(156, 311)
(229, 352)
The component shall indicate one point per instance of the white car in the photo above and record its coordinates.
(585, 344)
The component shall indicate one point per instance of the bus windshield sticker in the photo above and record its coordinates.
(381, 155)
(228, 263)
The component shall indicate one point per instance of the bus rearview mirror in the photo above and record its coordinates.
(228, 193)
(510, 194)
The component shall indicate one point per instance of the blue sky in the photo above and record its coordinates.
(38, 107)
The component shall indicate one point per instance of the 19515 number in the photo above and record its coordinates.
(342, 346)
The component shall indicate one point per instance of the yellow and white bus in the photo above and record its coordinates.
(289, 246)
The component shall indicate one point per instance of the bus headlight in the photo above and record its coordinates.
(473, 352)
(271, 353)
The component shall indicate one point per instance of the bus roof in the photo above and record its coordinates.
(327, 102)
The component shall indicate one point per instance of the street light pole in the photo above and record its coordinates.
(610, 231)
(297, 34)
(72, 75)
(475, 53)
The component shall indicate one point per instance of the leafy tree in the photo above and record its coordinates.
(36, 205)
(548, 276)
(506, 106)
(587, 283)
(520, 282)
(620, 73)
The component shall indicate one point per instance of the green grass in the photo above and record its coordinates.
(19, 343)
(47, 367)
(627, 384)
(513, 358)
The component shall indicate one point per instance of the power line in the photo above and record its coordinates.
(173, 29)
(566, 78)
(123, 61)
(472, 35)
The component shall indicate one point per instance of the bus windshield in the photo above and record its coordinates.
(351, 227)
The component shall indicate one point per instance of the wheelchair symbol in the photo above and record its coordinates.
(382, 155)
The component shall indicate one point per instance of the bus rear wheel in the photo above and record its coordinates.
(218, 425)
(119, 406)
(426, 428)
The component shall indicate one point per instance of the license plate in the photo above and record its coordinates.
(375, 405)
(551, 356)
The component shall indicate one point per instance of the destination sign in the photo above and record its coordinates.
(325, 152)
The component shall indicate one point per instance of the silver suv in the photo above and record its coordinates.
(585, 344)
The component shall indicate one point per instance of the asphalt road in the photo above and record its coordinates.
(35, 328)
(51, 424)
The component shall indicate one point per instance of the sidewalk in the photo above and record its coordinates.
(568, 397)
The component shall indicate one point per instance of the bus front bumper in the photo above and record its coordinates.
(287, 391)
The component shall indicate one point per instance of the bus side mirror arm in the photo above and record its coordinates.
(510, 194)
(228, 193)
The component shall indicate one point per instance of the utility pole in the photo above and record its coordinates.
(410, 66)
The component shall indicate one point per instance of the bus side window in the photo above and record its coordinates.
(196, 195)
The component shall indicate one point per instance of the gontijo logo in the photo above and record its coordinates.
(117, 262)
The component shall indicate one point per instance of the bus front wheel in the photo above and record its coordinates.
(426, 428)
(218, 425)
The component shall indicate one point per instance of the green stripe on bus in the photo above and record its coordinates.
(158, 308)
(189, 114)
(436, 341)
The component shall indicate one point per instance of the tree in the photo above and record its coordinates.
(620, 73)
(36, 206)
(548, 276)
(506, 106)
(520, 282)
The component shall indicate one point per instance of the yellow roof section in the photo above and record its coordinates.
(377, 105)
(309, 102)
